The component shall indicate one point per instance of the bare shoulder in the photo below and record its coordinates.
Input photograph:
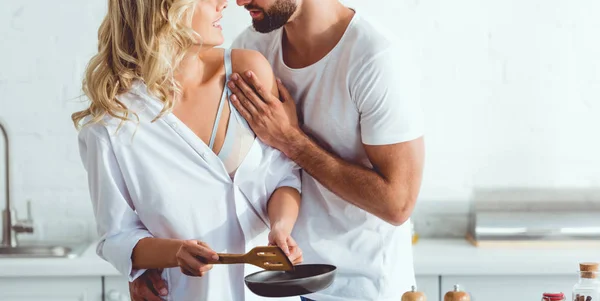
(243, 60)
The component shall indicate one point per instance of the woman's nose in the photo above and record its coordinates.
(222, 5)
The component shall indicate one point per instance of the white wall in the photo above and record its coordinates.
(510, 88)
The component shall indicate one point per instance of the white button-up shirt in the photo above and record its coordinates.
(158, 179)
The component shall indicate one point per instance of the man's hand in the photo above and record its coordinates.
(274, 121)
(282, 238)
(148, 287)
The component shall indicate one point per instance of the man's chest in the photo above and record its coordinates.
(326, 110)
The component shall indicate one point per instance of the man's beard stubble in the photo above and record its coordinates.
(275, 17)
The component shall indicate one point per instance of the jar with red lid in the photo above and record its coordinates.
(553, 297)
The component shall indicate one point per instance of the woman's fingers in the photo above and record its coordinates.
(195, 258)
(201, 249)
(295, 251)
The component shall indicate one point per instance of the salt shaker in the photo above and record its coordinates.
(413, 295)
(457, 295)
(588, 286)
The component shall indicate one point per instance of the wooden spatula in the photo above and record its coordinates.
(269, 258)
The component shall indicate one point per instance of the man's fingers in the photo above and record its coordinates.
(133, 292)
(157, 282)
(243, 99)
(265, 94)
(240, 107)
(249, 93)
(283, 92)
(145, 293)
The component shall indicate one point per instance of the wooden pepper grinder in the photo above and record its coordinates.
(456, 295)
(413, 295)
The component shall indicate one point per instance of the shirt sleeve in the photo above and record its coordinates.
(118, 224)
(386, 93)
(291, 176)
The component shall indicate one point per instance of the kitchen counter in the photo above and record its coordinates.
(457, 257)
(86, 264)
(439, 257)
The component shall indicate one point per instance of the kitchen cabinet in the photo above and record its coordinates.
(430, 286)
(116, 288)
(502, 288)
(51, 289)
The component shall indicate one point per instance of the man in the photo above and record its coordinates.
(359, 141)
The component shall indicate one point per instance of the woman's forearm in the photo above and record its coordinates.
(155, 253)
(283, 208)
(159, 253)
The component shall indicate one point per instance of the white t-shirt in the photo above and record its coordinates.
(364, 91)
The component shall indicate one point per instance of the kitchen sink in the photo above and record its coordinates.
(39, 251)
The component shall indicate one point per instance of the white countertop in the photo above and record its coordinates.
(431, 257)
(87, 264)
(460, 258)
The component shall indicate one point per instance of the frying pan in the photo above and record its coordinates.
(304, 279)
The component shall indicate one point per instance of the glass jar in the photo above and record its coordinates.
(588, 286)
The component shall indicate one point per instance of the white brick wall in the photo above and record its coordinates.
(510, 88)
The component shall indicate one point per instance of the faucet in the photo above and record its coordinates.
(11, 226)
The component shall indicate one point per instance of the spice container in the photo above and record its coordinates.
(588, 287)
(457, 295)
(413, 295)
(553, 297)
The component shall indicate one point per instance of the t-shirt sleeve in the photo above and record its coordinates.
(386, 92)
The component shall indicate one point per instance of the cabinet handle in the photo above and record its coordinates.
(114, 295)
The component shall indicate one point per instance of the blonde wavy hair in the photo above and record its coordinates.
(138, 39)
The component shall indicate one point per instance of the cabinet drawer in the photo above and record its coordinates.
(502, 288)
(51, 289)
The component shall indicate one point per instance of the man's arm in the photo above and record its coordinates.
(389, 190)
(391, 131)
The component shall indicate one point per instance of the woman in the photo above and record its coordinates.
(175, 174)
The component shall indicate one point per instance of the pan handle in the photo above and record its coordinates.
(231, 258)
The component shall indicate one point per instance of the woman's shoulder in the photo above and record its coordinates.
(248, 58)
(243, 60)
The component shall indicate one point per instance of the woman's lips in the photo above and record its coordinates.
(217, 24)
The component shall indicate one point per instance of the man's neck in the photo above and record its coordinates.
(316, 23)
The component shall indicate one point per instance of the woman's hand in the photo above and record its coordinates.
(194, 258)
(281, 237)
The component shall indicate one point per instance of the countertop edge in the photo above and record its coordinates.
(432, 257)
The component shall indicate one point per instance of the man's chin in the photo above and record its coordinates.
(261, 28)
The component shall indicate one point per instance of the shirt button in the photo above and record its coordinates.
(174, 125)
